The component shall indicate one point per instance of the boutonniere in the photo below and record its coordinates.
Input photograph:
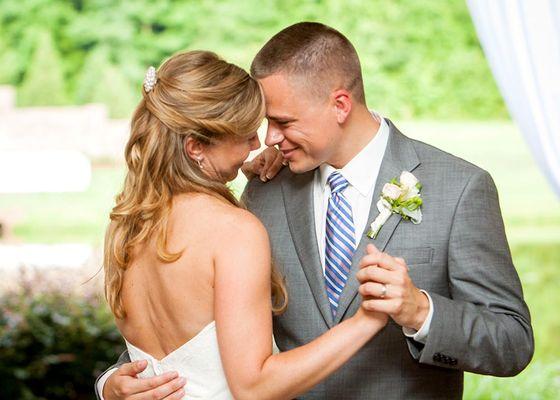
(401, 198)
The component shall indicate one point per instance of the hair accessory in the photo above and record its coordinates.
(150, 79)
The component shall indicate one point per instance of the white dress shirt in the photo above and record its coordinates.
(361, 173)
(102, 380)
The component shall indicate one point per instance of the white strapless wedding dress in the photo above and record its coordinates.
(198, 360)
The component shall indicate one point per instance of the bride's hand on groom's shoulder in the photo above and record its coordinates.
(123, 384)
(266, 165)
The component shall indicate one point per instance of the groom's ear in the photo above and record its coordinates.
(342, 104)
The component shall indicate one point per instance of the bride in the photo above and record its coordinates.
(188, 271)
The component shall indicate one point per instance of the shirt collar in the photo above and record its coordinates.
(359, 172)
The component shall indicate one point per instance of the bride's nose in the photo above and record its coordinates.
(255, 143)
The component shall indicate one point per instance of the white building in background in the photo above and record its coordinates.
(51, 149)
(86, 129)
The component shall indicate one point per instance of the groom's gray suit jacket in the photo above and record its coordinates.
(458, 254)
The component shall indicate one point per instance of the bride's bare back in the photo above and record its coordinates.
(167, 304)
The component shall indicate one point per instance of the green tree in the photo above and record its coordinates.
(420, 59)
(114, 90)
(91, 74)
(8, 60)
(44, 79)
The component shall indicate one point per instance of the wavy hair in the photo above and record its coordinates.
(197, 95)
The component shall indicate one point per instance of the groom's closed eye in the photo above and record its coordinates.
(280, 121)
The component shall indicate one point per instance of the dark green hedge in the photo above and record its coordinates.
(53, 344)
(421, 59)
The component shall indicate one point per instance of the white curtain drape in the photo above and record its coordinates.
(521, 40)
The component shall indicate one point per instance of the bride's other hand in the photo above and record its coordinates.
(123, 384)
(266, 165)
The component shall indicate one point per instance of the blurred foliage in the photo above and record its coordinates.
(53, 344)
(44, 81)
(420, 59)
(118, 95)
(537, 265)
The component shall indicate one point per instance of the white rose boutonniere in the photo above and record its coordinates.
(403, 198)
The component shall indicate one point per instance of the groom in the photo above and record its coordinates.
(448, 283)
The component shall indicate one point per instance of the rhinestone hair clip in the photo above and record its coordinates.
(150, 79)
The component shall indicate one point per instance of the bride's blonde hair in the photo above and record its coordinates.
(196, 95)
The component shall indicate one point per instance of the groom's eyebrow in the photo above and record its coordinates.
(280, 118)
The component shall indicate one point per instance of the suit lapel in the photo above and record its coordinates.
(298, 201)
(399, 156)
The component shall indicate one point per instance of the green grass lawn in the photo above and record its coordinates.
(531, 213)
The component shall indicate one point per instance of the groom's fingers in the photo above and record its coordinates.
(383, 260)
(373, 289)
(132, 368)
(371, 249)
(386, 306)
(171, 390)
(374, 256)
(374, 274)
(178, 395)
(123, 383)
(401, 261)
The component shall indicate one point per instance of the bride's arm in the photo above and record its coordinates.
(244, 323)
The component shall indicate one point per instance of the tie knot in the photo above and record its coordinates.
(337, 182)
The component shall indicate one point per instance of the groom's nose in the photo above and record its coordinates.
(274, 136)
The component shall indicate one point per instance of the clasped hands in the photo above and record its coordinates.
(386, 287)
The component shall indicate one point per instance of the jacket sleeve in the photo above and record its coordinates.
(485, 326)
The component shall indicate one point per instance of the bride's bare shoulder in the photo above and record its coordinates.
(218, 216)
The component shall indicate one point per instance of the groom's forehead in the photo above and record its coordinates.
(284, 98)
(283, 84)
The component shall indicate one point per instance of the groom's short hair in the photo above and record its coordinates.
(321, 56)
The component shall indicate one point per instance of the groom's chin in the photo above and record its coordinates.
(299, 167)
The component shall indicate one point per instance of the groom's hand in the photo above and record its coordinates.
(266, 165)
(123, 384)
(387, 287)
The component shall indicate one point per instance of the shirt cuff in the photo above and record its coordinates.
(102, 380)
(421, 335)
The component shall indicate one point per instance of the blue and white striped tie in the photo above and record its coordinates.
(340, 244)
